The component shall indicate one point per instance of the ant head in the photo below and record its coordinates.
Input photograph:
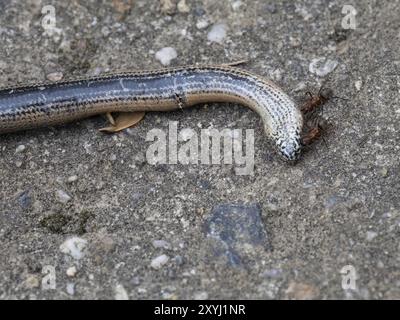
(325, 93)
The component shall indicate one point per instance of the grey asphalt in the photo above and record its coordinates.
(180, 231)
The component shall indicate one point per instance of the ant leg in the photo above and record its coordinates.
(310, 94)
(323, 85)
(326, 145)
(322, 112)
(320, 90)
(341, 98)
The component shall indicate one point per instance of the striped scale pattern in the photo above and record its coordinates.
(45, 104)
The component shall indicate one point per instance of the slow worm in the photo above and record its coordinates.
(48, 104)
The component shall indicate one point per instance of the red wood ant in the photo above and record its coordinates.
(313, 134)
(313, 120)
(316, 101)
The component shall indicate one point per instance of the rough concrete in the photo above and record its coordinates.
(338, 206)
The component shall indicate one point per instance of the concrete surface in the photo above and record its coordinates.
(140, 231)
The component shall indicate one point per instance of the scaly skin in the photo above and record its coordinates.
(160, 90)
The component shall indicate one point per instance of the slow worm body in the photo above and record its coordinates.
(160, 90)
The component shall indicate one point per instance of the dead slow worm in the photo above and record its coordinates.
(46, 104)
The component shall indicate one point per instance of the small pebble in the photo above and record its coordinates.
(141, 290)
(166, 55)
(135, 281)
(167, 6)
(120, 293)
(178, 260)
(217, 33)
(295, 42)
(159, 261)
(183, 7)
(202, 24)
(277, 74)
(236, 5)
(62, 196)
(203, 295)
(75, 247)
(301, 291)
(358, 85)
(161, 244)
(55, 76)
(322, 66)
(25, 199)
(72, 179)
(70, 288)
(105, 31)
(20, 148)
(31, 282)
(272, 273)
(71, 271)
(168, 296)
(371, 235)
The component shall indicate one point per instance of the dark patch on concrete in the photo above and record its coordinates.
(233, 229)
(62, 223)
(55, 223)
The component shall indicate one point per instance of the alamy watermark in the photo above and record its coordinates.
(189, 147)
(49, 20)
(49, 277)
(349, 20)
(349, 277)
